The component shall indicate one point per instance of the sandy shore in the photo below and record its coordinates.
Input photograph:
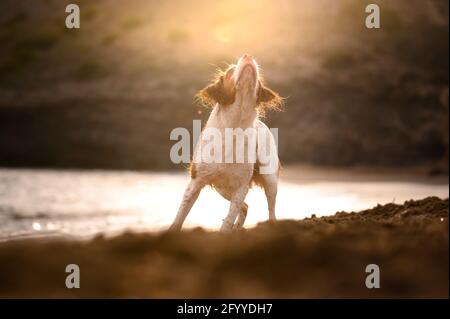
(315, 257)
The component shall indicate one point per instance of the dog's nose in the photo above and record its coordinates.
(247, 57)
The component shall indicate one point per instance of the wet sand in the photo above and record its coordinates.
(315, 257)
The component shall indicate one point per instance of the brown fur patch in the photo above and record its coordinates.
(192, 170)
(257, 178)
(221, 91)
(268, 99)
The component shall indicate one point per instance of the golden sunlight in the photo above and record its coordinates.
(224, 33)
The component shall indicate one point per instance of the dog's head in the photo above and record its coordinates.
(240, 80)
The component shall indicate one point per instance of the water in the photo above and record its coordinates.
(85, 203)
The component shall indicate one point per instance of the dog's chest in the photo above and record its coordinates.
(223, 174)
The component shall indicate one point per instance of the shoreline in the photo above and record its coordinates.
(413, 174)
(86, 203)
(298, 172)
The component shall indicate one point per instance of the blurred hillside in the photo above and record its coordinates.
(108, 94)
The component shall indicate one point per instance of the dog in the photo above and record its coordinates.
(238, 97)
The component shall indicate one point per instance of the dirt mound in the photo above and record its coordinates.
(314, 257)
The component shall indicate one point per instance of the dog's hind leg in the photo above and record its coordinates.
(242, 212)
(270, 185)
(241, 217)
(190, 196)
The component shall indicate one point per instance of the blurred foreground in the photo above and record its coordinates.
(314, 257)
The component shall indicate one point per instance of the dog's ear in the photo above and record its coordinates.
(268, 98)
(265, 95)
(221, 91)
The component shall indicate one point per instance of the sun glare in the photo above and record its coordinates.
(224, 34)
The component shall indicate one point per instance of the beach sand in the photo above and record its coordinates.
(316, 257)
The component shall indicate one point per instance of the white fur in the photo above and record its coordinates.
(233, 180)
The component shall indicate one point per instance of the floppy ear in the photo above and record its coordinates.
(268, 98)
(217, 92)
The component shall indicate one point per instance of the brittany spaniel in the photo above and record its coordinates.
(238, 97)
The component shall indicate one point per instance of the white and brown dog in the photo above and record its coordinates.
(238, 97)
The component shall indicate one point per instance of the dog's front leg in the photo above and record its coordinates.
(237, 201)
(190, 196)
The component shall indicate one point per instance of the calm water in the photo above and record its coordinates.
(85, 203)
